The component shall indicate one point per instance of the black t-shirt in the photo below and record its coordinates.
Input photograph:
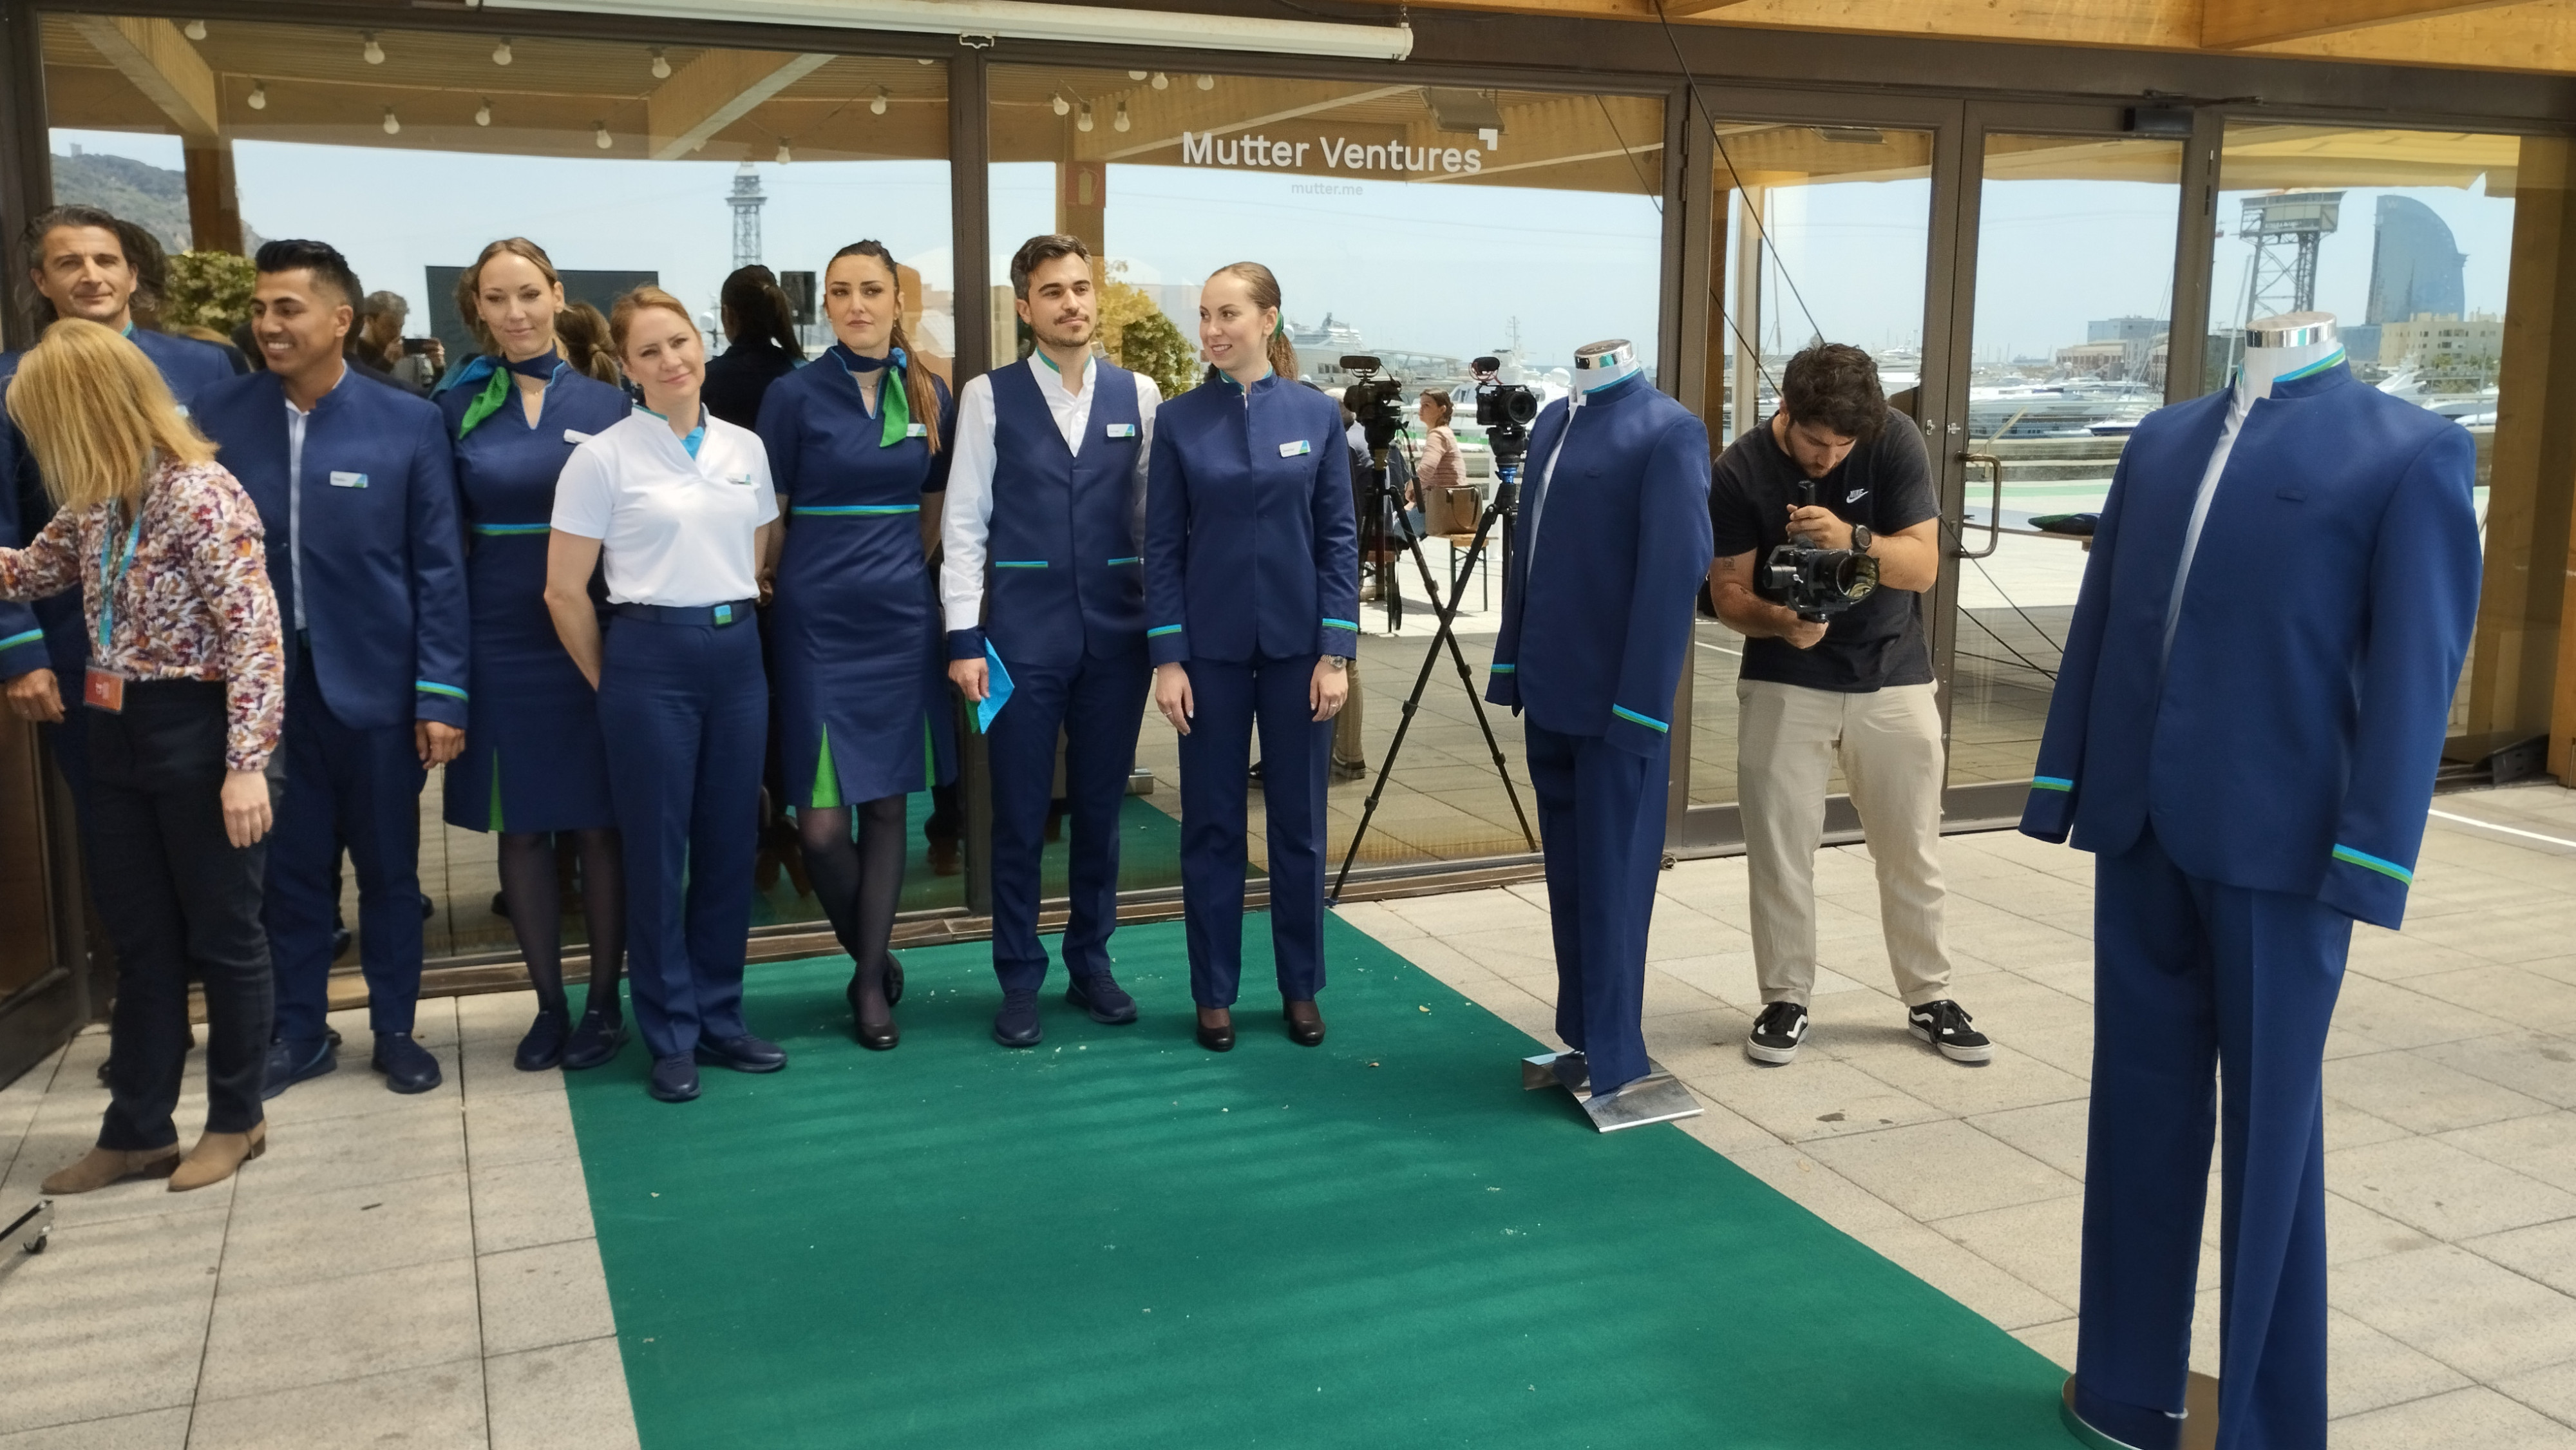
(1885, 483)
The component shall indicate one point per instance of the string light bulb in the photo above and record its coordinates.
(599, 135)
(1120, 121)
(878, 106)
(483, 112)
(373, 53)
(501, 52)
(259, 95)
(1083, 121)
(393, 123)
(1207, 83)
(1162, 82)
(784, 154)
(1135, 75)
(196, 30)
(661, 65)
(1059, 104)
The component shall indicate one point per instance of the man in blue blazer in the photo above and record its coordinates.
(356, 489)
(1608, 551)
(78, 264)
(2244, 733)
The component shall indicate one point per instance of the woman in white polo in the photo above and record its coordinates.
(678, 504)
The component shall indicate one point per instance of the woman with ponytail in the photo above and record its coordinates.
(1252, 605)
(534, 763)
(858, 443)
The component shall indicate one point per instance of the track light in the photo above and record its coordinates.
(259, 95)
(374, 53)
(483, 112)
(393, 123)
(878, 106)
(661, 65)
(1120, 121)
(1162, 82)
(501, 53)
(1059, 104)
(1083, 121)
(1207, 83)
(599, 135)
(784, 154)
(195, 30)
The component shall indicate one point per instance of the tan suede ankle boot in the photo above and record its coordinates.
(218, 1156)
(103, 1166)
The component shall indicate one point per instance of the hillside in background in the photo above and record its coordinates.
(138, 191)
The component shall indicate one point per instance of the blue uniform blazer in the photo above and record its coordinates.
(53, 633)
(2289, 744)
(384, 554)
(1594, 635)
(1252, 548)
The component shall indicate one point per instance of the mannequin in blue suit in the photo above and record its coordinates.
(77, 261)
(355, 484)
(2244, 733)
(1608, 551)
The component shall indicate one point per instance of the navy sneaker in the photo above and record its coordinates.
(675, 1078)
(594, 1041)
(408, 1067)
(1100, 995)
(291, 1062)
(543, 1047)
(743, 1054)
(1016, 1025)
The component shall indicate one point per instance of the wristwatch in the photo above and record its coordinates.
(1339, 662)
(1860, 538)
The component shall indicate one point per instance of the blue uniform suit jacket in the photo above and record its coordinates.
(2289, 744)
(384, 557)
(53, 633)
(1251, 544)
(1593, 636)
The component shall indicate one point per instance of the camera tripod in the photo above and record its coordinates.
(1508, 452)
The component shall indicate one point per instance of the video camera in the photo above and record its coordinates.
(1505, 411)
(1377, 402)
(1816, 582)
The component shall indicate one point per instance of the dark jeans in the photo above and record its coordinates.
(177, 897)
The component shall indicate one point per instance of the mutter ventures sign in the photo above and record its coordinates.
(1334, 153)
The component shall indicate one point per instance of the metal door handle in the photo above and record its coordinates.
(1994, 468)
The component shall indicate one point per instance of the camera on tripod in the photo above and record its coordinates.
(1504, 410)
(1378, 403)
(1816, 582)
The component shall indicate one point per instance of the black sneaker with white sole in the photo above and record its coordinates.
(1777, 1033)
(1946, 1026)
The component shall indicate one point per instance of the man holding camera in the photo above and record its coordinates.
(1857, 683)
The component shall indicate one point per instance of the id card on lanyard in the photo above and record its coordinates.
(103, 688)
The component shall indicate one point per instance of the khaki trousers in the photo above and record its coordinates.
(1787, 737)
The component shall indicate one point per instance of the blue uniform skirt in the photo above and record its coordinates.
(534, 759)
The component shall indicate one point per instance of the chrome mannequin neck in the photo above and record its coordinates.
(2275, 346)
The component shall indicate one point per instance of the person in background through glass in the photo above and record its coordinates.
(1441, 467)
(760, 345)
(858, 444)
(534, 764)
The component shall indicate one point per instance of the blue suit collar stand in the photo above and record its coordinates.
(2309, 385)
(1262, 384)
(1618, 392)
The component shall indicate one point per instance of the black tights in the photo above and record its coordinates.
(536, 912)
(860, 882)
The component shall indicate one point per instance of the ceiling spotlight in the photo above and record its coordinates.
(1120, 121)
(661, 65)
(259, 95)
(599, 135)
(784, 155)
(878, 106)
(1083, 121)
(393, 123)
(1207, 83)
(195, 30)
(1162, 82)
(501, 53)
(483, 112)
(374, 53)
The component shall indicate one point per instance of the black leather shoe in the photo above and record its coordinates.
(1016, 1025)
(674, 1079)
(1217, 1037)
(408, 1067)
(878, 1037)
(595, 1040)
(543, 1047)
(1305, 1022)
(743, 1054)
(1100, 995)
(291, 1062)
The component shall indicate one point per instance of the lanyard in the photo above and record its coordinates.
(111, 571)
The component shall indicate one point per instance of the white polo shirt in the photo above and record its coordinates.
(673, 529)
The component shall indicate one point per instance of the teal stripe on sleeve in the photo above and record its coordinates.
(431, 687)
(1019, 563)
(1133, 559)
(1350, 624)
(1506, 669)
(1161, 630)
(504, 529)
(2369, 862)
(15, 640)
(2051, 782)
(1651, 723)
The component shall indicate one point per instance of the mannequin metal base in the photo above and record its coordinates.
(1658, 1097)
(2199, 1430)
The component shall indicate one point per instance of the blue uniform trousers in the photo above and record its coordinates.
(1601, 819)
(353, 788)
(1099, 704)
(2191, 976)
(685, 711)
(1216, 769)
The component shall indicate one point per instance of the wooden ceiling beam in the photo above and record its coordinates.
(2235, 24)
(159, 62)
(715, 90)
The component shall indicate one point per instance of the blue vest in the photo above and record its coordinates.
(1066, 569)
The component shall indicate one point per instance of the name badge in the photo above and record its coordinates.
(1292, 450)
(916, 430)
(740, 480)
(103, 689)
(1122, 430)
(348, 480)
(183, 411)
(575, 435)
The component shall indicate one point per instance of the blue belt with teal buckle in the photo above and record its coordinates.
(713, 615)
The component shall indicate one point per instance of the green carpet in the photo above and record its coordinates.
(1121, 1240)
(1149, 854)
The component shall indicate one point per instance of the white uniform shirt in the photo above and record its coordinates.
(967, 517)
(673, 529)
(295, 420)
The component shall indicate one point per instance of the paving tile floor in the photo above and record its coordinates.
(422, 1270)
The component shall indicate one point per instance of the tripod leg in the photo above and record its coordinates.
(1403, 727)
(1466, 674)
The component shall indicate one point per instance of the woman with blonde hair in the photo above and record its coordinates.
(535, 765)
(184, 701)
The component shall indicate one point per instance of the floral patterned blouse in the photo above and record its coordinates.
(194, 605)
